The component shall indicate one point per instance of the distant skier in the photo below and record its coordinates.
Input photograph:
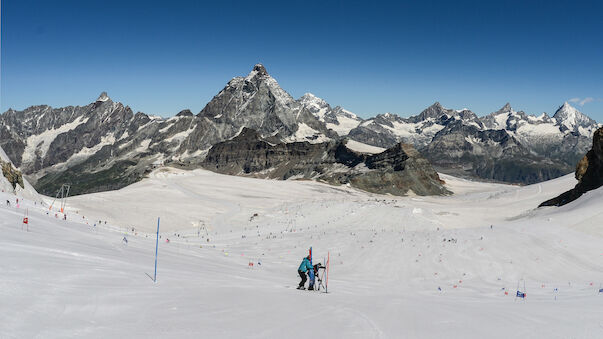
(303, 268)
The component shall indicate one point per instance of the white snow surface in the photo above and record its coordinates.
(40, 143)
(346, 123)
(388, 256)
(307, 133)
(362, 147)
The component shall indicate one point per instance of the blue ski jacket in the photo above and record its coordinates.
(305, 265)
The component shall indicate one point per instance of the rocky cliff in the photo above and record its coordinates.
(589, 172)
(395, 171)
(11, 174)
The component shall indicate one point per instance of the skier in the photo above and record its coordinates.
(314, 275)
(303, 268)
(312, 279)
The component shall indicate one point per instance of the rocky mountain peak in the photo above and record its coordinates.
(571, 118)
(103, 97)
(434, 111)
(258, 71)
(566, 110)
(310, 98)
(506, 108)
(437, 106)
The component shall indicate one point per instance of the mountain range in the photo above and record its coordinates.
(105, 145)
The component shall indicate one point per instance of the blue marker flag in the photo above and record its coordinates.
(520, 295)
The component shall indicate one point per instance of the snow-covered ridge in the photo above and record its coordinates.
(338, 119)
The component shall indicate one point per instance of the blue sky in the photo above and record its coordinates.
(163, 57)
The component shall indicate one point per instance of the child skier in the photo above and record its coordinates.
(314, 274)
(303, 268)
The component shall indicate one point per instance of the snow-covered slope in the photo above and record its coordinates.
(363, 148)
(414, 267)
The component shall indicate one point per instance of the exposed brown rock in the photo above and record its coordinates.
(13, 175)
(589, 172)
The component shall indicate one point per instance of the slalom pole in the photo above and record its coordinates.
(327, 278)
(156, 250)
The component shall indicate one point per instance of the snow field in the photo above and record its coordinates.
(389, 255)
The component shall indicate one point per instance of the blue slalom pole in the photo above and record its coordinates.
(156, 249)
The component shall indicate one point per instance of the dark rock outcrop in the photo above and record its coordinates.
(395, 171)
(11, 174)
(589, 172)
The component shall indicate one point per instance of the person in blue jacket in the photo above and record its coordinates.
(303, 268)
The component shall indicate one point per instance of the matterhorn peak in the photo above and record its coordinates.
(258, 71)
(103, 97)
